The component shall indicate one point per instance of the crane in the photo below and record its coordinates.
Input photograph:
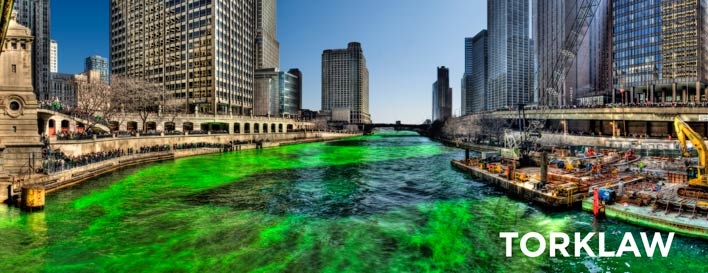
(697, 179)
(585, 13)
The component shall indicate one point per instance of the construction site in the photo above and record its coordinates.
(663, 186)
(662, 192)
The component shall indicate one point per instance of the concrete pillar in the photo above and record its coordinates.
(285, 128)
(651, 93)
(615, 91)
(673, 94)
(631, 94)
(684, 95)
(698, 92)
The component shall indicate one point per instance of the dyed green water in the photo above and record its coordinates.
(384, 203)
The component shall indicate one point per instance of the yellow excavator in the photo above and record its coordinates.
(697, 178)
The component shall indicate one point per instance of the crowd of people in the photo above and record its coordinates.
(57, 161)
(613, 105)
(55, 105)
(197, 145)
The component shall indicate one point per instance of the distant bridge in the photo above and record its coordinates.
(368, 128)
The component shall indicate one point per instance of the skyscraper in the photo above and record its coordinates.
(474, 81)
(54, 57)
(590, 75)
(297, 73)
(100, 64)
(345, 84)
(662, 55)
(510, 79)
(277, 93)
(442, 95)
(34, 14)
(202, 52)
(267, 46)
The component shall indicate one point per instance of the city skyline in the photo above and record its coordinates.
(401, 49)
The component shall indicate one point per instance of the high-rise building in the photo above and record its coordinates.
(660, 51)
(202, 52)
(591, 73)
(265, 95)
(297, 73)
(276, 93)
(474, 81)
(511, 78)
(442, 95)
(100, 64)
(345, 84)
(34, 14)
(289, 92)
(267, 46)
(54, 57)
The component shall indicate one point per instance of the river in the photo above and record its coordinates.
(383, 203)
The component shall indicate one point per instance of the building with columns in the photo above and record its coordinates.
(660, 51)
(202, 52)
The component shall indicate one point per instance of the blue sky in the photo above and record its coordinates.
(403, 40)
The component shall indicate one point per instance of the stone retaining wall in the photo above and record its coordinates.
(81, 147)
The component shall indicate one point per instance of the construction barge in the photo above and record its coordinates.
(526, 190)
(644, 191)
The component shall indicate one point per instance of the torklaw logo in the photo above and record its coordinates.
(559, 242)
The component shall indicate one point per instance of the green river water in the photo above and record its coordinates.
(383, 203)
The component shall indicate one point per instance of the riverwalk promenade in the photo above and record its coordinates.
(143, 149)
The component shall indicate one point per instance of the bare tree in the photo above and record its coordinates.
(94, 100)
(137, 97)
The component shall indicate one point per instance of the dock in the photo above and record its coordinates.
(527, 191)
(656, 218)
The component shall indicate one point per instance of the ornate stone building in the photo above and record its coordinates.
(20, 146)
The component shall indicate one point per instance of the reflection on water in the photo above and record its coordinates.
(383, 203)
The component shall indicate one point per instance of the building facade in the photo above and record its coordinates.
(474, 81)
(100, 64)
(277, 93)
(35, 14)
(591, 73)
(265, 95)
(289, 94)
(442, 95)
(63, 88)
(511, 76)
(202, 52)
(54, 57)
(660, 51)
(267, 45)
(345, 83)
(297, 73)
